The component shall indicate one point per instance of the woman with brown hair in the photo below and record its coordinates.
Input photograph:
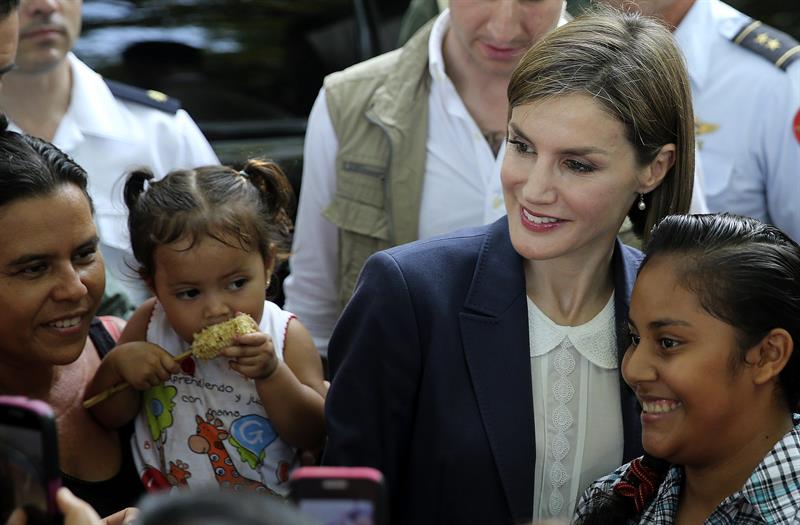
(480, 370)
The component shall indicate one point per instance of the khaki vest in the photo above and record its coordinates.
(379, 111)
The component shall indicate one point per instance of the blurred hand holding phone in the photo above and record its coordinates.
(29, 471)
(340, 495)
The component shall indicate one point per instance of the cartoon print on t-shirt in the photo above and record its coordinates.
(251, 435)
(209, 441)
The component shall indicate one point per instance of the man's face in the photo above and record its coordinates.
(48, 30)
(9, 35)
(494, 34)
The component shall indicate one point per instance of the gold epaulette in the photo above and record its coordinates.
(767, 42)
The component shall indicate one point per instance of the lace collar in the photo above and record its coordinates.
(596, 340)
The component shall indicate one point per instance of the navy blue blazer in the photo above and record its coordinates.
(432, 380)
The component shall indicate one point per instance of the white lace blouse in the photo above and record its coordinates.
(576, 407)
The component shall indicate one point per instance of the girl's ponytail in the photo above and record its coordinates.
(134, 186)
(276, 193)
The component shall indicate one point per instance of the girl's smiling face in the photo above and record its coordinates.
(570, 176)
(685, 366)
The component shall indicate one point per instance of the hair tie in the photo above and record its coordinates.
(244, 174)
(639, 484)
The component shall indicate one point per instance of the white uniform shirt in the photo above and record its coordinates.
(744, 106)
(458, 191)
(108, 137)
(576, 408)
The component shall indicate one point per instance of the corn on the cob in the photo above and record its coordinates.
(207, 344)
(209, 341)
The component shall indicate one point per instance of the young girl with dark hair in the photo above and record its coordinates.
(206, 241)
(714, 316)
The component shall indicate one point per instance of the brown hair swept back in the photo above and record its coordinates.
(251, 208)
(630, 65)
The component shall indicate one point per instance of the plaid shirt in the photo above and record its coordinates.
(770, 496)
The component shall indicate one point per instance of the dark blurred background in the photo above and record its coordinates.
(248, 70)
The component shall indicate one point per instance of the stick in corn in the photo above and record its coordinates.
(206, 344)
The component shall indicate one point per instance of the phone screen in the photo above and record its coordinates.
(22, 479)
(339, 511)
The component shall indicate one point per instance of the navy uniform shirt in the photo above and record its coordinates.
(110, 129)
(745, 80)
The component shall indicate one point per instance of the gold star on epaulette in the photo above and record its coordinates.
(157, 95)
(762, 39)
(773, 44)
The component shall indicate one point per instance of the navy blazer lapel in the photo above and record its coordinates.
(625, 264)
(494, 330)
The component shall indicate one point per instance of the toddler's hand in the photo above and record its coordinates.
(253, 356)
(143, 365)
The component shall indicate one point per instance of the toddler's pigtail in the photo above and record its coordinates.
(134, 186)
(276, 193)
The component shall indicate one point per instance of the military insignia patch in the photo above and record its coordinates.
(157, 95)
(797, 126)
(776, 46)
(701, 128)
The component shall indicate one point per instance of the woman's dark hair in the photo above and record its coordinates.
(30, 167)
(746, 274)
(7, 6)
(251, 208)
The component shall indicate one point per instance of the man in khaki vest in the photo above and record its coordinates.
(406, 146)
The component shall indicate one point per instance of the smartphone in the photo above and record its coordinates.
(29, 472)
(340, 495)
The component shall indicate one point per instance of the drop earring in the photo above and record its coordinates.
(642, 206)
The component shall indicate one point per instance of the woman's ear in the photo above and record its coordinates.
(769, 357)
(655, 172)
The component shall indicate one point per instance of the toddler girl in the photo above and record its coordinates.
(206, 242)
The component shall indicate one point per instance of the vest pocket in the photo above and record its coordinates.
(357, 217)
(358, 209)
(363, 230)
(363, 183)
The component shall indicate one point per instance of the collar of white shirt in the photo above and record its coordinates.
(701, 29)
(93, 108)
(435, 43)
(695, 35)
(595, 340)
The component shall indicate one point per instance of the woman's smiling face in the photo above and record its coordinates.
(685, 367)
(569, 177)
(51, 277)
